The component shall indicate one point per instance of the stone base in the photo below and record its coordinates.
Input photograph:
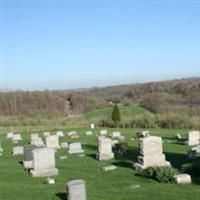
(103, 156)
(47, 173)
(75, 152)
(140, 167)
(28, 164)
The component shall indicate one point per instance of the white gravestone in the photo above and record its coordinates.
(89, 133)
(44, 163)
(116, 134)
(46, 134)
(76, 190)
(52, 141)
(71, 133)
(10, 135)
(103, 132)
(60, 133)
(38, 142)
(18, 150)
(183, 179)
(105, 149)
(64, 145)
(193, 138)
(75, 148)
(92, 126)
(151, 153)
(28, 156)
(34, 136)
(16, 138)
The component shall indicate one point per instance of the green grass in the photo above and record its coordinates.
(126, 111)
(17, 184)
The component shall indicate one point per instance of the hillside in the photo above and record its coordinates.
(171, 101)
(105, 113)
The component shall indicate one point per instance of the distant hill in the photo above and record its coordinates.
(181, 95)
(175, 96)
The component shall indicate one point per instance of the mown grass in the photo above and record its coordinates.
(126, 111)
(16, 184)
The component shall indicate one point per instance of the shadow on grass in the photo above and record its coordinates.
(62, 196)
(196, 180)
(124, 164)
(90, 147)
(94, 156)
(176, 159)
(21, 163)
(131, 155)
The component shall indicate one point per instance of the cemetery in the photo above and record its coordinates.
(100, 100)
(89, 167)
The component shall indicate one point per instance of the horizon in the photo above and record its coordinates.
(79, 45)
(99, 87)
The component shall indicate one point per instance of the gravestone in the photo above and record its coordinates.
(89, 133)
(103, 132)
(193, 138)
(10, 135)
(183, 179)
(60, 133)
(18, 150)
(64, 145)
(151, 153)
(16, 138)
(92, 126)
(121, 138)
(34, 136)
(46, 134)
(76, 190)
(28, 156)
(44, 163)
(52, 141)
(105, 149)
(109, 168)
(75, 148)
(71, 133)
(116, 134)
(38, 142)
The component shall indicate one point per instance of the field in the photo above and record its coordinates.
(126, 111)
(17, 184)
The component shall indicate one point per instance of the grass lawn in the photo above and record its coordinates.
(16, 184)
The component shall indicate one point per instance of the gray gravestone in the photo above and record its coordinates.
(75, 148)
(28, 156)
(44, 163)
(105, 149)
(76, 190)
(193, 138)
(18, 150)
(151, 153)
(52, 141)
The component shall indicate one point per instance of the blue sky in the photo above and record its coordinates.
(76, 44)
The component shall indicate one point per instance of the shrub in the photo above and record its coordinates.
(191, 168)
(162, 174)
(121, 147)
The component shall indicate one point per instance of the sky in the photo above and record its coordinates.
(81, 44)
